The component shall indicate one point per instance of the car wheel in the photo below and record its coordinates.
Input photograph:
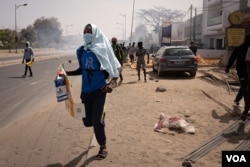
(192, 74)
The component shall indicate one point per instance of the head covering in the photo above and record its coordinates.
(103, 50)
(140, 45)
(27, 44)
(114, 39)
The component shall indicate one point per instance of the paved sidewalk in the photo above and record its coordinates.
(52, 53)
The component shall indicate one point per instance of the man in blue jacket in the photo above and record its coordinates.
(97, 64)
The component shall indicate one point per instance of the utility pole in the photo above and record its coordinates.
(125, 29)
(190, 35)
(132, 22)
(16, 37)
(194, 25)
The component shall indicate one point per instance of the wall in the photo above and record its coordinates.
(211, 53)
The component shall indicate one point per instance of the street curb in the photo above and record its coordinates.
(13, 62)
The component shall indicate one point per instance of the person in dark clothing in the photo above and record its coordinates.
(239, 54)
(28, 55)
(119, 55)
(99, 69)
(247, 101)
(193, 48)
(140, 54)
(131, 52)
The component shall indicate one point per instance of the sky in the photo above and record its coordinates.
(108, 15)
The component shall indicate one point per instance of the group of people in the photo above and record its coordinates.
(132, 51)
(241, 55)
(100, 65)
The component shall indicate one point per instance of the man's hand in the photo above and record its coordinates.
(113, 82)
(109, 87)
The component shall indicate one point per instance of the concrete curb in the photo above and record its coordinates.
(19, 61)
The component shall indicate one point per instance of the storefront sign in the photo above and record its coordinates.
(235, 36)
(236, 18)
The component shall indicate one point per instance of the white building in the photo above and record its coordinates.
(215, 20)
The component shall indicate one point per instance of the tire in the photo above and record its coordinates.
(192, 74)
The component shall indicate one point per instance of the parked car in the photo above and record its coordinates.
(152, 48)
(175, 59)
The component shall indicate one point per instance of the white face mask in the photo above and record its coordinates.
(87, 38)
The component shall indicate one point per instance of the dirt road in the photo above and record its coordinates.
(51, 137)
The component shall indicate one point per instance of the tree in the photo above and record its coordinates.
(153, 17)
(28, 34)
(7, 37)
(48, 31)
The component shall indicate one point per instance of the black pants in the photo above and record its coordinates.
(242, 91)
(247, 101)
(132, 58)
(94, 110)
(27, 67)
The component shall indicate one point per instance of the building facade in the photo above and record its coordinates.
(215, 21)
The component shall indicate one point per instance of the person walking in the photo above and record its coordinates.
(247, 96)
(28, 55)
(193, 48)
(99, 69)
(239, 55)
(131, 52)
(140, 54)
(119, 55)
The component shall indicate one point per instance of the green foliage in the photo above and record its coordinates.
(7, 38)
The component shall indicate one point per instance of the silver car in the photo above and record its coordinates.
(175, 59)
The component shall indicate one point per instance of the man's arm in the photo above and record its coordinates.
(231, 60)
(75, 72)
(78, 71)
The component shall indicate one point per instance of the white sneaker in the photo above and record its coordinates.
(237, 104)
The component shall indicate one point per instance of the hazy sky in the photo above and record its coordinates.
(106, 14)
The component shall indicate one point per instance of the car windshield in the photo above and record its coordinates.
(178, 52)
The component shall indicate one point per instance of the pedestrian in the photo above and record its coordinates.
(99, 69)
(131, 52)
(193, 48)
(28, 56)
(140, 54)
(247, 96)
(119, 55)
(239, 54)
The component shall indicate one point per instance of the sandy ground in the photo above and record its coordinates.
(51, 138)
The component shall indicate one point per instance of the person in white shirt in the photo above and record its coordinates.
(131, 52)
(28, 56)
